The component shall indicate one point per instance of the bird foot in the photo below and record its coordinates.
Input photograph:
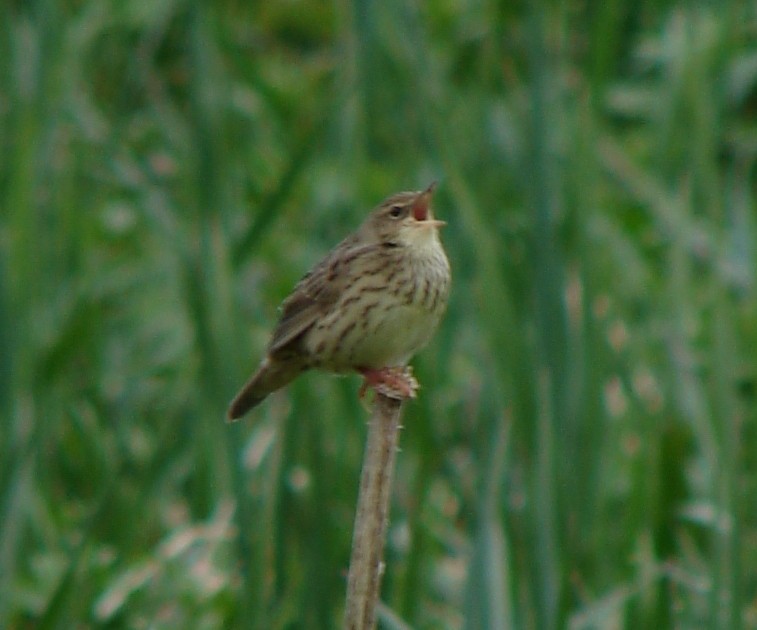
(393, 382)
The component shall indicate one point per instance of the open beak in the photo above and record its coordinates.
(422, 208)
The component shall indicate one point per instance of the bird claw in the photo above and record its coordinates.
(393, 382)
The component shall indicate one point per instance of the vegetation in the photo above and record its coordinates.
(582, 454)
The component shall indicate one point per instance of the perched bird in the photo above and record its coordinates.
(368, 306)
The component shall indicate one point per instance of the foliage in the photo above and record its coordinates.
(582, 452)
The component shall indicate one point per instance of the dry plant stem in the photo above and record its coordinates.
(371, 517)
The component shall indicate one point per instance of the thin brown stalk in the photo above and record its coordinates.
(372, 515)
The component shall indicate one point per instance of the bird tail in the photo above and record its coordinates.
(270, 376)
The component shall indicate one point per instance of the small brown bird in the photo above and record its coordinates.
(368, 306)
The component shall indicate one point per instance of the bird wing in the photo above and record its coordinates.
(316, 293)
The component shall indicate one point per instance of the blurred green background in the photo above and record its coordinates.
(583, 453)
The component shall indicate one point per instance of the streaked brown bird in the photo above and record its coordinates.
(368, 306)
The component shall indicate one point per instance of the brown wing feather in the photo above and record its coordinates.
(316, 293)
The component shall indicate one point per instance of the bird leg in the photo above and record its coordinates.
(393, 382)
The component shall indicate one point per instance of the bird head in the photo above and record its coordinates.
(404, 219)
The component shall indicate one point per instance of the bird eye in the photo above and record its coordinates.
(396, 212)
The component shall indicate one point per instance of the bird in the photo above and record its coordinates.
(368, 307)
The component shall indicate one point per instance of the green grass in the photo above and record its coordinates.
(582, 451)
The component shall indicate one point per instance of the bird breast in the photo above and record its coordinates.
(389, 310)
